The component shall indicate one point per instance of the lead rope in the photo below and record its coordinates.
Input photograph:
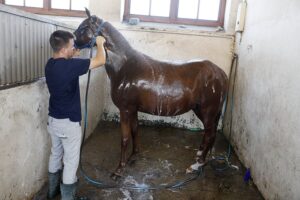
(83, 173)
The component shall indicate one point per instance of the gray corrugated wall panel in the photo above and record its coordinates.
(8, 47)
(26, 47)
(2, 54)
(2, 72)
(18, 49)
(5, 43)
(23, 51)
(35, 56)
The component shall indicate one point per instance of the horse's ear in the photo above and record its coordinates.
(93, 18)
(88, 12)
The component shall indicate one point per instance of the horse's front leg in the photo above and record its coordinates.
(125, 119)
(135, 137)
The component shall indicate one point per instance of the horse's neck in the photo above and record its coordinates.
(114, 63)
(118, 50)
(119, 44)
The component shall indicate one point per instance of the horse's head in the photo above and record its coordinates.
(87, 30)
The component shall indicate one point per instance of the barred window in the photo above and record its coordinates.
(190, 12)
(51, 7)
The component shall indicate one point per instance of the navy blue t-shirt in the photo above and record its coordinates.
(62, 78)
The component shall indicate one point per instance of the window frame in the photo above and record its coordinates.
(172, 19)
(47, 10)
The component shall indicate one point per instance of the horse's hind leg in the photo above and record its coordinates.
(209, 118)
(209, 137)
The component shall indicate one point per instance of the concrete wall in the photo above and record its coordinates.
(172, 43)
(24, 141)
(266, 102)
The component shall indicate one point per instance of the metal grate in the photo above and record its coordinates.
(24, 39)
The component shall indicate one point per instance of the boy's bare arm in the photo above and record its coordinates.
(100, 57)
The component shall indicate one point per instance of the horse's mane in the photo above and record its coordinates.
(117, 40)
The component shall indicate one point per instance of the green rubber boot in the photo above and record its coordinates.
(68, 192)
(54, 181)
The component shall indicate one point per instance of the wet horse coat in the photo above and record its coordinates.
(141, 83)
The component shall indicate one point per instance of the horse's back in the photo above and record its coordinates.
(190, 72)
(143, 64)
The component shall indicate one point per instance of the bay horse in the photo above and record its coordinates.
(141, 83)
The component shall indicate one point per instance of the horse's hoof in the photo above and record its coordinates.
(132, 159)
(189, 170)
(131, 162)
(199, 153)
(115, 176)
(199, 156)
(194, 168)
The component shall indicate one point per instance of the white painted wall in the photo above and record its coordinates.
(266, 102)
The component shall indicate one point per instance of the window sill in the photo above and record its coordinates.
(174, 29)
(21, 13)
(55, 12)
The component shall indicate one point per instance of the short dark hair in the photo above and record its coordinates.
(60, 39)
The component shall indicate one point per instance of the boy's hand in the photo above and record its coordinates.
(76, 52)
(100, 40)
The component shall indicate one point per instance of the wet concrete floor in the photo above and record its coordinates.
(165, 154)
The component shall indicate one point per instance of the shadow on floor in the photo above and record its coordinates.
(165, 154)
